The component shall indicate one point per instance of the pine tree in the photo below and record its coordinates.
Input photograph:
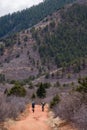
(41, 92)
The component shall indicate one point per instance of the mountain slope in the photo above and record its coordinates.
(59, 40)
(64, 41)
(29, 17)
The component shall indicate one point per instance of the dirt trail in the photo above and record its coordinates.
(33, 121)
(38, 121)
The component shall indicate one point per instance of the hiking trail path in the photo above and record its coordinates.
(31, 121)
(37, 121)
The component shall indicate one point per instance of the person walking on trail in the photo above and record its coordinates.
(43, 104)
(33, 106)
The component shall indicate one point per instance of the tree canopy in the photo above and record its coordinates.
(27, 18)
(67, 41)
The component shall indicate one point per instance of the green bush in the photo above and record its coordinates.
(12, 82)
(83, 85)
(47, 76)
(54, 101)
(17, 90)
(21, 83)
(2, 78)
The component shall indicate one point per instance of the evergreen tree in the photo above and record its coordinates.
(41, 92)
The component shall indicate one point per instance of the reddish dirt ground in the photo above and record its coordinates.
(33, 121)
(36, 121)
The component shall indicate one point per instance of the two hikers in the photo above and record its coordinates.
(33, 106)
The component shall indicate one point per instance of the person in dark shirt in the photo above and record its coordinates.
(43, 104)
(33, 106)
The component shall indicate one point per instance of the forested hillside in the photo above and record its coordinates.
(45, 63)
(58, 40)
(66, 41)
(29, 17)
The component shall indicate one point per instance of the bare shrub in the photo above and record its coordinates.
(68, 105)
(17, 105)
(73, 107)
(11, 107)
(81, 117)
(3, 107)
